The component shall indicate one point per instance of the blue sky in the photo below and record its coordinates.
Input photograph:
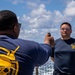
(39, 17)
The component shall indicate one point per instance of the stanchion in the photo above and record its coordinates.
(36, 70)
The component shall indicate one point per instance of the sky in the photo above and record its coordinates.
(39, 17)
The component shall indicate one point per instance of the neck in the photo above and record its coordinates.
(65, 38)
(9, 33)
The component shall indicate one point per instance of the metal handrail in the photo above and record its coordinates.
(36, 70)
(47, 68)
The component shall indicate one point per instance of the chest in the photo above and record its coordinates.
(63, 46)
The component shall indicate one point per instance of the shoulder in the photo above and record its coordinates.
(72, 38)
(28, 42)
(59, 39)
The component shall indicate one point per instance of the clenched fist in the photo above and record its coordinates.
(49, 40)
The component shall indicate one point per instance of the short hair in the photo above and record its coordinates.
(7, 19)
(66, 24)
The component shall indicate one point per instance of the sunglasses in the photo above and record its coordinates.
(67, 29)
(19, 24)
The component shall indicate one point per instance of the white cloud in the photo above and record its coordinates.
(39, 11)
(60, 17)
(25, 18)
(17, 1)
(70, 9)
(40, 21)
(32, 31)
(38, 17)
(32, 4)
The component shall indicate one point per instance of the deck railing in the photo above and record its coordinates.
(46, 69)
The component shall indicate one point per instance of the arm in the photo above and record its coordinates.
(52, 54)
(52, 58)
(44, 50)
(49, 39)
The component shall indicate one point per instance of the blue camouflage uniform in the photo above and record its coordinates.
(64, 57)
(23, 55)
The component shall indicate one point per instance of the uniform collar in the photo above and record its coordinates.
(7, 36)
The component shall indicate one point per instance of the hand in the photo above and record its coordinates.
(49, 40)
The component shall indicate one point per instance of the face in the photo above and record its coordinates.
(65, 31)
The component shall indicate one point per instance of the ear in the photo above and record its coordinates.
(71, 30)
(15, 31)
(15, 28)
